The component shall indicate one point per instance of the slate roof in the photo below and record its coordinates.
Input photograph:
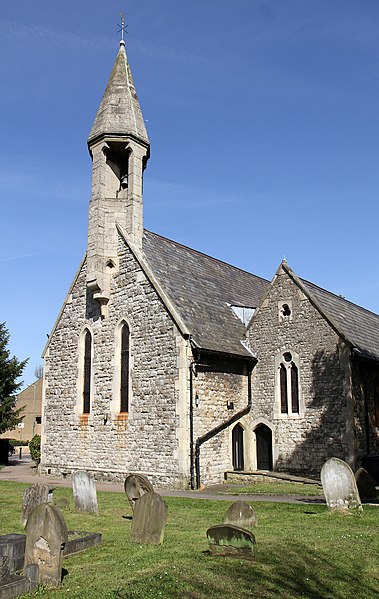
(201, 288)
(357, 325)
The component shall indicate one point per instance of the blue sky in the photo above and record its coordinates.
(264, 130)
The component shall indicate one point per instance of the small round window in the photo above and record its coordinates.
(287, 356)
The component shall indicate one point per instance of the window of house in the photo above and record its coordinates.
(124, 369)
(288, 384)
(87, 373)
(38, 419)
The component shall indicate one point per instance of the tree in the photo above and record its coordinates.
(38, 371)
(10, 371)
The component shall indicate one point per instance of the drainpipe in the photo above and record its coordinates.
(218, 429)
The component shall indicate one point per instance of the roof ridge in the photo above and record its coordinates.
(207, 255)
(343, 299)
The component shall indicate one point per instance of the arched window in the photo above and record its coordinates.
(87, 367)
(124, 369)
(288, 384)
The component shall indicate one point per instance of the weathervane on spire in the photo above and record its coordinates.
(122, 28)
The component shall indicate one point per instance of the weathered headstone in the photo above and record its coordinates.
(62, 503)
(135, 486)
(366, 484)
(84, 491)
(5, 571)
(12, 546)
(33, 496)
(46, 534)
(231, 541)
(241, 514)
(149, 519)
(339, 486)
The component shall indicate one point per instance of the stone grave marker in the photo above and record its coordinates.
(33, 496)
(5, 571)
(135, 486)
(231, 541)
(149, 519)
(339, 486)
(62, 503)
(241, 514)
(46, 535)
(84, 491)
(366, 484)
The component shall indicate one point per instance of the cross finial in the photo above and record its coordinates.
(122, 29)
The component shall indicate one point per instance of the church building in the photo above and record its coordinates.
(167, 362)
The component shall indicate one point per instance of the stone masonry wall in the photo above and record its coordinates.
(217, 382)
(301, 443)
(106, 443)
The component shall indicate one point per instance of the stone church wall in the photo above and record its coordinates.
(219, 383)
(323, 427)
(106, 443)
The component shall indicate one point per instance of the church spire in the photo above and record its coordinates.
(119, 147)
(119, 113)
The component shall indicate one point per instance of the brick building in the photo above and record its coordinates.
(171, 363)
(31, 400)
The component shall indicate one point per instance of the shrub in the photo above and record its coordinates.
(35, 449)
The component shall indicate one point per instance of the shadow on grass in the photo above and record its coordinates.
(290, 571)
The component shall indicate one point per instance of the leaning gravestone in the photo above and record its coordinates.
(366, 484)
(46, 535)
(339, 486)
(84, 491)
(149, 520)
(241, 514)
(231, 541)
(135, 486)
(33, 496)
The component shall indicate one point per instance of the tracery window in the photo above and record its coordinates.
(288, 384)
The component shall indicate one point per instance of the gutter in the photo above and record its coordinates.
(217, 429)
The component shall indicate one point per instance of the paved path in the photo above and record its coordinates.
(23, 471)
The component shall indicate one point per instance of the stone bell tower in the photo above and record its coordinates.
(119, 147)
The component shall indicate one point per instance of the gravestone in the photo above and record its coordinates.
(149, 519)
(33, 496)
(46, 535)
(231, 541)
(241, 514)
(62, 503)
(12, 546)
(135, 486)
(84, 491)
(5, 571)
(366, 484)
(339, 486)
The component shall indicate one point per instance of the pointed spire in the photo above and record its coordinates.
(119, 113)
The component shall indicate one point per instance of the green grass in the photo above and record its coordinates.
(274, 489)
(302, 551)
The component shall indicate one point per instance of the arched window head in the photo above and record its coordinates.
(87, 367)
(124, 369)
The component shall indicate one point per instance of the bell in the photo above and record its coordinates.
(124, 181)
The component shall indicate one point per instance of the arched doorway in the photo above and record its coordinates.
(263, 436)
(237, 448)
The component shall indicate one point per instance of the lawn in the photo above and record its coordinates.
(281, 488)
(302, 551)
